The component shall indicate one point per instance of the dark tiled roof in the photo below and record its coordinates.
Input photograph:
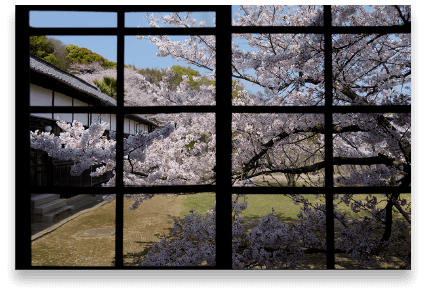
(41, 66)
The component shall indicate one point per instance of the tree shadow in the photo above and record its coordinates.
(252, 220)
(137, 257)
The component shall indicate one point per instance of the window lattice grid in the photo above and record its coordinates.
(224, 109)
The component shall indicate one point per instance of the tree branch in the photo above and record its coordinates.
(378, 160)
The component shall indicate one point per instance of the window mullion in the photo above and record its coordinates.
(223, 139)
(119, 142)
(328, 137)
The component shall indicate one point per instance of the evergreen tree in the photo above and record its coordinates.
(40, 46)
(85, 56)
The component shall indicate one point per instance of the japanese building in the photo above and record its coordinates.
(52, 86)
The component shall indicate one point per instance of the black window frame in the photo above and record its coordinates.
(223, 110)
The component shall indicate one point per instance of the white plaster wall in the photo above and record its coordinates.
(62, 100)
(132, 127)
(113, 122)
(84, 117)
(143, 127)
(95, 118)
(126, 125)
(106, 118)
(79, 103)
(40, 96)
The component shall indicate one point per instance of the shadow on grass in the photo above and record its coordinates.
(138, 257)
(251, 220)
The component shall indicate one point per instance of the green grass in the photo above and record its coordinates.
(199, 202)
(261, 204)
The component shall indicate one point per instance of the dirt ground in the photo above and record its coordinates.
(142, 227)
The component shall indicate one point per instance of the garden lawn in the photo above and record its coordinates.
(151, 222)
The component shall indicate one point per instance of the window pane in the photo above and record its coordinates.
(372, 69)
(178, 149)
(170, 19)
(166, 72)
(278, 69)
(278, 150)
(158, 230)
(74, 239)
(277, 15)
(84, 156)
(372, 149)
(278, 232)
(370, 234)
(72, 19)
(371, 15)
(73, 71)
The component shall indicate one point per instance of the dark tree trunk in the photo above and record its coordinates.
(291, 179)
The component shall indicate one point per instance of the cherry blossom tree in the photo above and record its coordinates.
(368, 69)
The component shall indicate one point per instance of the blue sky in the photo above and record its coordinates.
(141, 53)
(138, 52)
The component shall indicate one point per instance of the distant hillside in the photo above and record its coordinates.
(62, 56)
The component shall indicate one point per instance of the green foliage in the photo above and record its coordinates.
(181, 71)
(56, 53)
(40, 46)
(108, 86)
(155, 76)
(235, 89)
(58, 57)
(52, 59)
(85, 56)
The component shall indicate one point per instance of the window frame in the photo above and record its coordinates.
(223, 109)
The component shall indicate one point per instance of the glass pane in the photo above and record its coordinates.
(178, 149)
(372, 149)
(158, 230)
(277, 150)
(277, 15)
(161, 70)
(278, 69)
(170, 19)
(371, 15)
(72, 19)
(372, 234)
(74, 239)
(278, 232)
(372, 69)
(79, 156)
(73, 71)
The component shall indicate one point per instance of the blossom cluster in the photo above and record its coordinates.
(274, 244)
